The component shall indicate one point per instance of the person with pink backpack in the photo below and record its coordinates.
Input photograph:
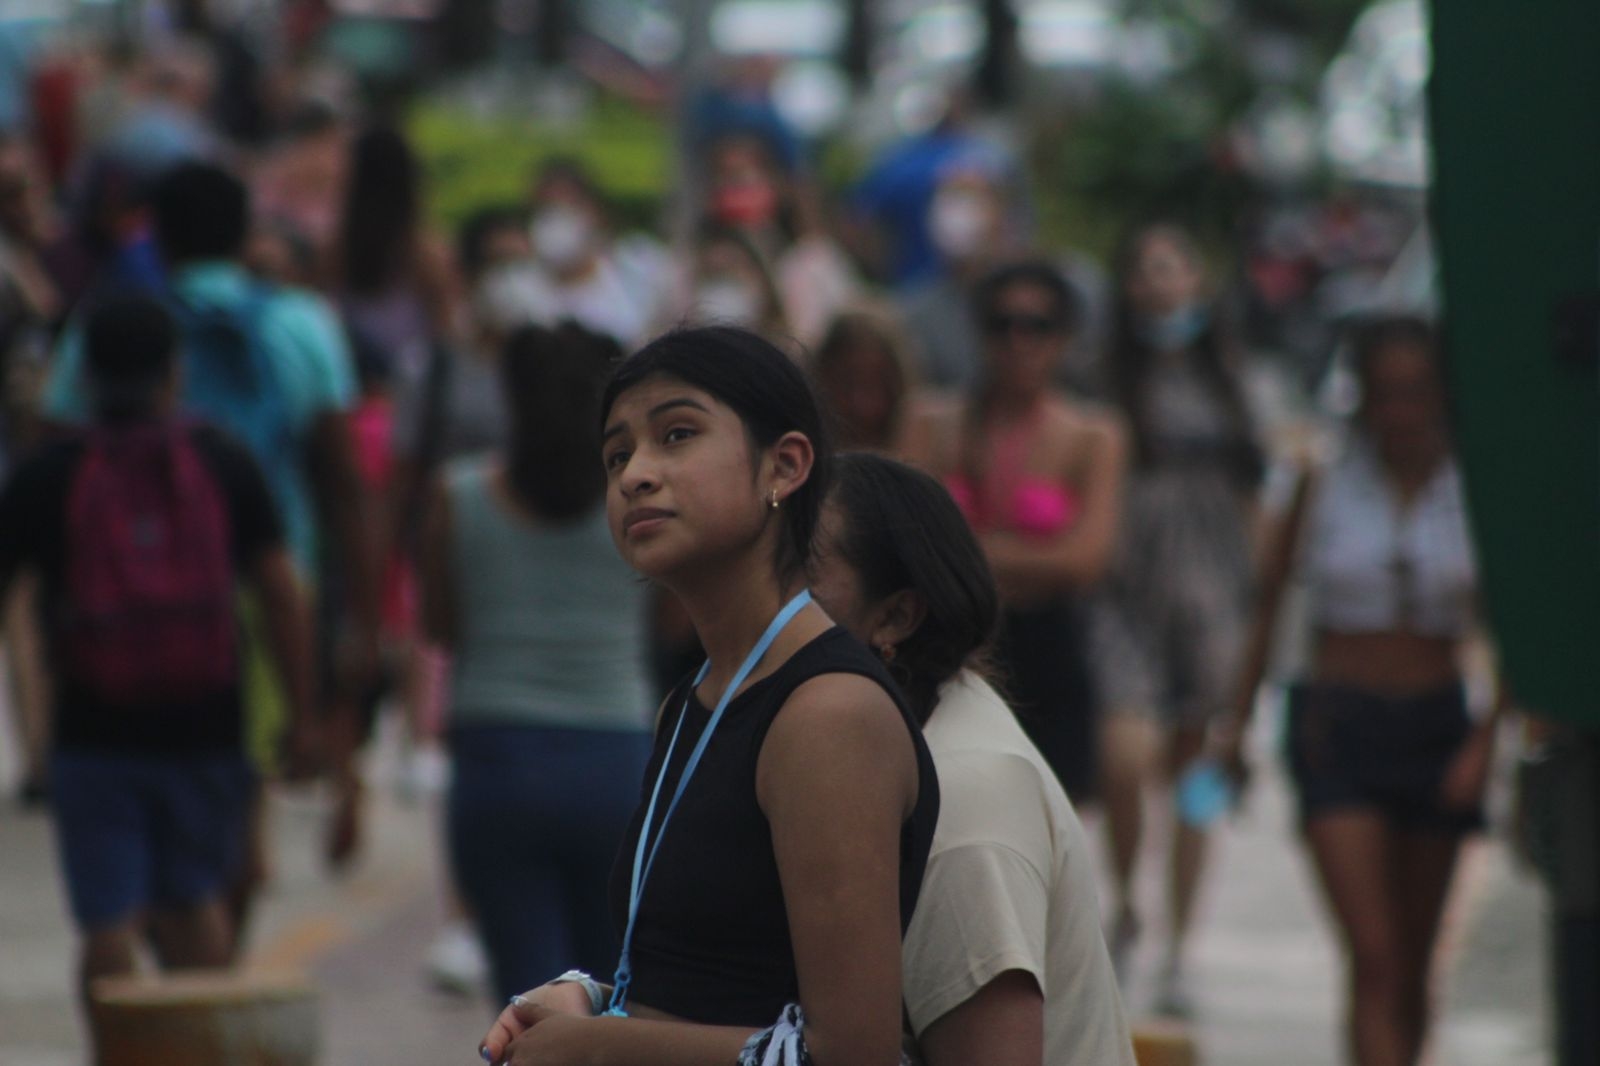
(143, 530)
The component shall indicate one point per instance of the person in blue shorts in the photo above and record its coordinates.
(142, 531)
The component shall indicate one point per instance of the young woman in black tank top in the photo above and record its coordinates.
(783, 880)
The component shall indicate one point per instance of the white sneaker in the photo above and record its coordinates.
(456, 962)
(424, 773)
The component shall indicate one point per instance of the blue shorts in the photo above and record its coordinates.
(139, 831)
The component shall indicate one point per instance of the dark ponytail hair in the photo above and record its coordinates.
(552, 381)
(903, 531)
(767, 391)
(382, 209)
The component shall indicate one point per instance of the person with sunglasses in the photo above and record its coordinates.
(1039, 477)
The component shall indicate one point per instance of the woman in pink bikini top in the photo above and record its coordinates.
(1010, 499)
(1037, 473)
(1039, 477)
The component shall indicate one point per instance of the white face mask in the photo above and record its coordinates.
(959, 222)
(515, 294)
(561, 237)
(727, 301)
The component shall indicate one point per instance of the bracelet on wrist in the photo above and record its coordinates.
(597, 996)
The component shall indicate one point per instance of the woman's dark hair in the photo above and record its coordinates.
(570, 170)
(1040, 273)
(472, 239)
(901, 530)
(1371, 336)
(552, 381)
(202, 211)
(765, 389)
(1215, 357)
(381, 211)
(130, 344)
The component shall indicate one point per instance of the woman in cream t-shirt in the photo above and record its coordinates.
(1004, 960)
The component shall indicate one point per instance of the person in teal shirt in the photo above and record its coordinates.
(201, 234)
(202, 215)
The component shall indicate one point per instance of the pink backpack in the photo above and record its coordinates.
(149, 593)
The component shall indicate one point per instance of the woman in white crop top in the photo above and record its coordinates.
(1389, 767)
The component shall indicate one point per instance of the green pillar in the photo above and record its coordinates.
(1515, 114)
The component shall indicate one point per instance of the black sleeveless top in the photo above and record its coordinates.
(712, 940)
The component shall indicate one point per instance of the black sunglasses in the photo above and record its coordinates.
(999, 324)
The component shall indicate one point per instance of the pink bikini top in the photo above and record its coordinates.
(1011, 501)
(1038, 507)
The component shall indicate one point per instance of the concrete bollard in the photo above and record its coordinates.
(205, 1017)
(1159, 1043)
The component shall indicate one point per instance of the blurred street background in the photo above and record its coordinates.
(434, 174)
(1267, 969)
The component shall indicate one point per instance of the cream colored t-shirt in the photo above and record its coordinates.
(1010, 886)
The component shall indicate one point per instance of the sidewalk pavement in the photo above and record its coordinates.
(1266, 972)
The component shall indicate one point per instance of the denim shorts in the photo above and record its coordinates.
(147, 831)
(1349, 748)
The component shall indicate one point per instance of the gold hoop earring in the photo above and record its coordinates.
(772, 500)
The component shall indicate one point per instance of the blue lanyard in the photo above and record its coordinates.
(642, 862)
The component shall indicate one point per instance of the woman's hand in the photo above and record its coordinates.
(1227, 745)
(550, 1037)
(563, 998)
(531, 1033)
(1467, 776)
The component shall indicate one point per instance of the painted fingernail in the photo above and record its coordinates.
(518, 1001)
(483, 1053)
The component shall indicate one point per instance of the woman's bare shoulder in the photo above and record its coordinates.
(1081, 423)
(834, 720)
(933, 405)
(932, 420)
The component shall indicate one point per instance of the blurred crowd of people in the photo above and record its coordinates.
(424, 421)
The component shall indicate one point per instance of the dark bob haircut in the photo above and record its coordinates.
(551, 380)
(903, 531)
(130, 345)
(1040, 273)
(202, 211)
(768, 392)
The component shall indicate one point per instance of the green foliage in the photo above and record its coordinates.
(475, 159)
(1137, 150)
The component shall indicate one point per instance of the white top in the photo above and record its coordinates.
(1010, 885)
(1374, 564)
(606, 300)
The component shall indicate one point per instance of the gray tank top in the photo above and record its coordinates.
(551, 622)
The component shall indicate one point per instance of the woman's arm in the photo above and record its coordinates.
(556, 1038)
(929, 430)
(1079, 555)
(1003, 1025)
(1467, 776)
(437, 577)
(1280, 543)
(837, 778)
